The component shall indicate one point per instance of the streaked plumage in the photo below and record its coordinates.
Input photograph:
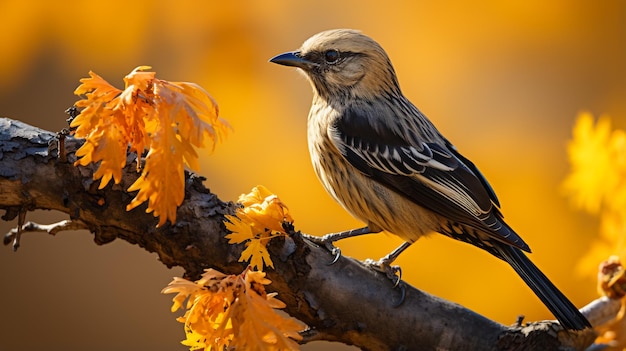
(388, 165)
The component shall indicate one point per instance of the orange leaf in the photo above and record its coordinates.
(168, 119)
(162, 182)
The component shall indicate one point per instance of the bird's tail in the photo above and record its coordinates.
(565, 312)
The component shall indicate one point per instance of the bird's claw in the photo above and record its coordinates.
(402, 288)
(394, 273)
(325, 242)
(335, 251)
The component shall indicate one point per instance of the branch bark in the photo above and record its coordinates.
(345, 302)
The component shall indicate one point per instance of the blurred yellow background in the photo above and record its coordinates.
(503, 81)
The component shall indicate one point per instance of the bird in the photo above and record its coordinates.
(387, 164)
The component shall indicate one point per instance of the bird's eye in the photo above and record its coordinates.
(331, 56)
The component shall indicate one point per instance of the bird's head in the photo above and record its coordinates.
(343, 63)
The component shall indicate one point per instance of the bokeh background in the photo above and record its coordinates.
(503, 80)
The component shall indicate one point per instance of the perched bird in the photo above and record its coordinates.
(387, 164)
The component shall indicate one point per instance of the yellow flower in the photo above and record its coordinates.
(593, 177)
(597, 184)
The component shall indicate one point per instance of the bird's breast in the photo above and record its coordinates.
(364, 198)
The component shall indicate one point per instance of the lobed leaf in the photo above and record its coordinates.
(170, 120)
(260, 219)
(233, 311)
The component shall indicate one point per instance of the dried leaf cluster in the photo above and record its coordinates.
(261, 217)
(233, 311)
(169, 119)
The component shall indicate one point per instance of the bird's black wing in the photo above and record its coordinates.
(476, 171)
(432, 175)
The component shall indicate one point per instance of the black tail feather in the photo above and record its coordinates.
(565, 312)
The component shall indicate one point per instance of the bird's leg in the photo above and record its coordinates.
(328, 239)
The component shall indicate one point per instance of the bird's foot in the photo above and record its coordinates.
(326, 241)
(393, 273)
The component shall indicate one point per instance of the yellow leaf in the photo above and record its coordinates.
(240, 230)
(228, 311)
(256, 196)
(264, 209)
(257, 325)
(260, 218)
(183, 288)
(257, 254)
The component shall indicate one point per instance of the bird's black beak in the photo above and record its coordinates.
(292, 58)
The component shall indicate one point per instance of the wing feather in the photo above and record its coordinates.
(431, 174)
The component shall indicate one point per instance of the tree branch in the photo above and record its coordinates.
(345, 302)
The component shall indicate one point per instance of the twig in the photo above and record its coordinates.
(602, 310)
(18, 232)
(15, 234)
